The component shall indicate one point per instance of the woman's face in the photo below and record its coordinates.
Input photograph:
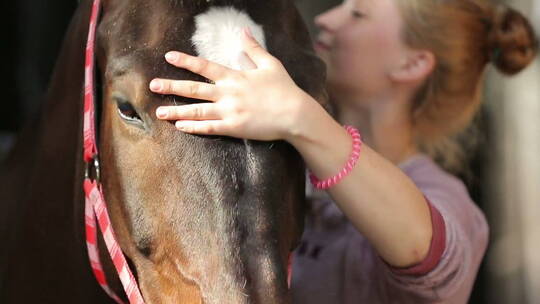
(361, 44)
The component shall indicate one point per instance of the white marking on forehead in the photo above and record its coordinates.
(218, 38)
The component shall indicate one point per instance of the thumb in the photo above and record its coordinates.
(255, 50)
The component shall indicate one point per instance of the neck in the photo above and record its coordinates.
(385, 125)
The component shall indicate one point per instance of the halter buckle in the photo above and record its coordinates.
(92, 170)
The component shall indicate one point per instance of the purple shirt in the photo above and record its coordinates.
(336, 264)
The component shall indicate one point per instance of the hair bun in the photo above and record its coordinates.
(512, 41)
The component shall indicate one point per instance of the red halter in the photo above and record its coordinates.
(95, 207)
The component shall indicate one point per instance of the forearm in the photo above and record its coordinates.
(377, 197)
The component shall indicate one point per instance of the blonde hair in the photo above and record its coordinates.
(464, 35)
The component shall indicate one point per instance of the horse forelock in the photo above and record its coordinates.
(217, 36)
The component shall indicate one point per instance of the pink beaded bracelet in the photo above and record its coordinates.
(353, 158)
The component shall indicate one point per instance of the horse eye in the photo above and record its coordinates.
(127, 111)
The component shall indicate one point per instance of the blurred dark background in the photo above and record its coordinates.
(32, 32)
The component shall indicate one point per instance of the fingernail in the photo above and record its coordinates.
(179, 125)
(171, 56)
(161, 112)
(155, 85)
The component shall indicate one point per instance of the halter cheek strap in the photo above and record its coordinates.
(95, 208)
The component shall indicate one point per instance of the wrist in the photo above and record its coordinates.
(305, 114)
(347, 168)
(324, 144)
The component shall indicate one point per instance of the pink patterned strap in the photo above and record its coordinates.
(91, 238)
(353, 158)
(96, 209)
(90, 146)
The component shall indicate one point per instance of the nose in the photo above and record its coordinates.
(329, 20)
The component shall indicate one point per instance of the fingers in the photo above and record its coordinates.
(198, 65)
(201, 111)
(255, 51)
(186, 88)
(205, 127)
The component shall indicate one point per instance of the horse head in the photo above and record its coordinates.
(201, 218)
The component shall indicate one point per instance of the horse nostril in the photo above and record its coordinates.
(144, 246)
(146, 251)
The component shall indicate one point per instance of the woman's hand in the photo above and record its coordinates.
(262, 104)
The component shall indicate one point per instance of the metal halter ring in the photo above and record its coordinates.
(93, 164)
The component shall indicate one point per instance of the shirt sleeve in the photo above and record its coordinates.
(459, 241)
(436, 249)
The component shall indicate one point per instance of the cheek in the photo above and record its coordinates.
(354, 62)
(387, 43)
(365, 55)
(346, 55)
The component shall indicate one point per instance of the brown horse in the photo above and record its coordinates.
(201, 219)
